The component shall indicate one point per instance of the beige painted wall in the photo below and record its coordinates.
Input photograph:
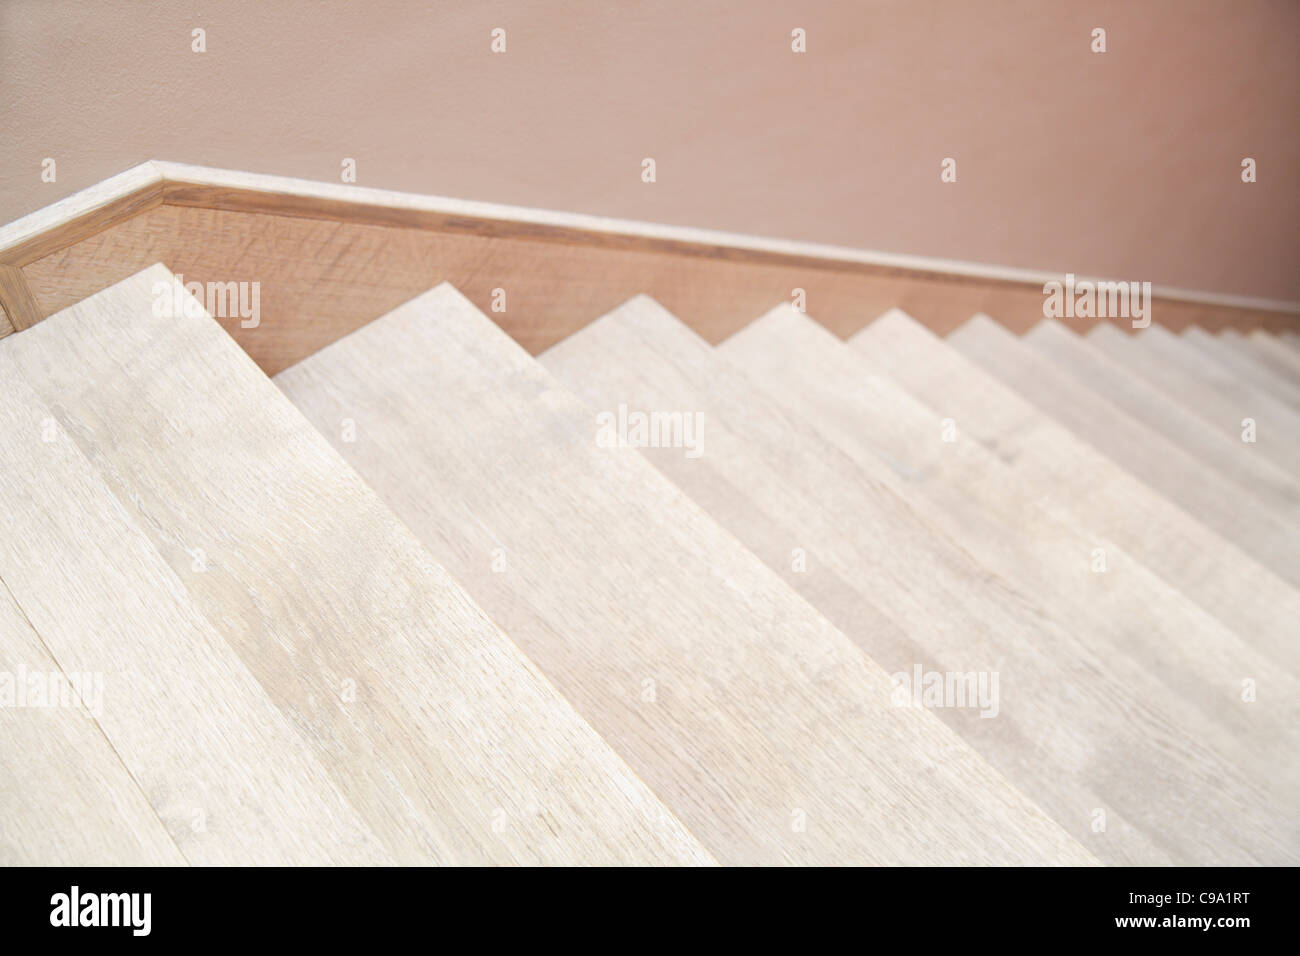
(1125, 163)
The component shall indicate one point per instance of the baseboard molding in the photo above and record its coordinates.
(330, 257)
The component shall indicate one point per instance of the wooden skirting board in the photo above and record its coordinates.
(330, 257)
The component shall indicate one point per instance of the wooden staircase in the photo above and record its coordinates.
(288, 675)
(649, 596)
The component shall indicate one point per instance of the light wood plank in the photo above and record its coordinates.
(65, 797)
(1017, 526)
(1238, 354)
(438, 731)
(81, 215)
(1279, 352)
(858, 520)
(329, 257)
(1247, 596)
(1275, 351)
(1148, 454)
(1256, 478)
(231, 781)
(763, 727)
(1289, 337)
(1209, 389)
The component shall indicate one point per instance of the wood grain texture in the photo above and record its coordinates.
(1255, 477)
(1246, 595)
(229, 778)
(81, 215)
(321, 279)
(20, 308)
(70, 220)
(65, 797)
(1150, 455)
(760, 725)
(330, 257)
(1209, 388)
(434, 727)
(212, 188)
(1263, 369)
(1018, 527)
(866, 525)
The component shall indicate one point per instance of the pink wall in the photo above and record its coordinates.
(1125, 163)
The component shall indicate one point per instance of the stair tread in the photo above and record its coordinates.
(1011, 521)
(620, 587)
(1280, 352)
(67, 798)
(1255, 478)
(1098, 492)
(768, 466)
(1207, 387)
(1151, 456)
(333, 690)
(1242, 357)
(189, 722)
(1287, 337)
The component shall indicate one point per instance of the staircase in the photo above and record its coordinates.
(788, 598)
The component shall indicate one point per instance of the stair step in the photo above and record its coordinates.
(768, 462)
(1286, 337)
(1207, 387)
(768, 732)
(1255, 478)
(1017, 527)
(1242, 357)
(189, 721)
(1247, 596)
(1280, 352)
(426, 599)
(67, 798)
(283, 661)
(1151, 456)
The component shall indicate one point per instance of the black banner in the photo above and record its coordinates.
(1222, 907)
